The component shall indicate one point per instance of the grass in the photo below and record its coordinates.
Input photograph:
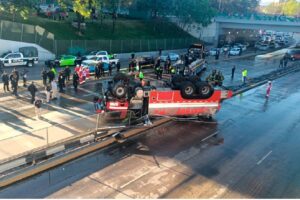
(125, 28)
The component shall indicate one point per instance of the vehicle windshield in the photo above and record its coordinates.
(102, 53)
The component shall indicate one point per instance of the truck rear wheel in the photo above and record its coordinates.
(119, 91)
(187, 90)
(30, 64)
(205, 90)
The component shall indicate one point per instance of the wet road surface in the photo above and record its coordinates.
(258, 159)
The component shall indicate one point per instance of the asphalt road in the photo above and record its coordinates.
(258, 157)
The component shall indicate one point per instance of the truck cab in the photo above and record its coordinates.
(13, 59)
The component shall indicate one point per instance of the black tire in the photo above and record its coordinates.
(30, 64)
(119, 91)
(205, 90)
(121, 77)
(187, 90)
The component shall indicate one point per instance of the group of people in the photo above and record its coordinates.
(13, 78)
(216, 78)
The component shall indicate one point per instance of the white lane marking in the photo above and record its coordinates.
(215, 133)
(261, 160)
(133, 180)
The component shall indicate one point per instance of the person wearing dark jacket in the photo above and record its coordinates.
(109, 69)
(14, 83)
(15, 71)
(32, 89)
(51, 76)
(5, 80)
(24, 76)
(97, 71)
(44, 77)
(118, 66)
(67, 73)
(61, 82)
(75, 81)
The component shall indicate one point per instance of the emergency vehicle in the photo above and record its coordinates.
(181, 97)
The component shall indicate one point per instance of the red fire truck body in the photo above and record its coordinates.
(170, 103)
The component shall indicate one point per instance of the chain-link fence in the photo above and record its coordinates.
(26, 33)
(120, 46)
(38, 35)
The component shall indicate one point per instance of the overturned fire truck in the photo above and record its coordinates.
(182, 96)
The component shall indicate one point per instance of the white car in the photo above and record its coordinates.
(213, 51)
(235, 51)
(91, 63)
(226, 48)
(173, 57)
(263, 47)
(99, 54)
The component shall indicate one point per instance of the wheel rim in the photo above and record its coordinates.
(189, 90)
(205, 90)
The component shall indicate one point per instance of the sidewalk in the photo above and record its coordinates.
(21, 131)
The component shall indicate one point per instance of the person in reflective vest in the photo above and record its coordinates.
(141, 75)
(244, 74)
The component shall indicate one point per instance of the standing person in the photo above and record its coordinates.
(269, 88)
(244, 75)
(141, 76)
(5, 80)
(48, 93)
(83, 75)
(24, 76)
(15, 71)
(118, 66)
(67, 73)
(32, 89)
(109, 69)
(102, 69)
(281, 63)
(61, 81)
(97, 71)
(44, 77)
(54, 89)
(75, 81)
(51, 75)
(232, 72)
(38, 107)
(14, 84)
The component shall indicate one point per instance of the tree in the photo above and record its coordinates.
(82, 8)
(198, 11)
(235, 6)
(17, 7)
(291, 7)
(114, 6)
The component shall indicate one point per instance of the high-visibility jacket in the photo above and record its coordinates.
(53, 70)
(141, 75)
(245, 73)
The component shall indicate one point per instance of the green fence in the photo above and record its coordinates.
(38, 35)
(120, 46)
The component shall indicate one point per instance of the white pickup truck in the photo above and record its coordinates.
(27, 56)
(111, 57)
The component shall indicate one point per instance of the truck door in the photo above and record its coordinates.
(18, 59)
(8, 60)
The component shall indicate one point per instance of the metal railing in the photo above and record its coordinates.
(22, 142)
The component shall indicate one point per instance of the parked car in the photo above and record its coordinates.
(145, 61)
(63, 61)
(26, 56)
(100, 53)
(235, 51)
(263, 47)
(242, 46)
(293, 54)
(226, 48)
(213, 51)
(173, 57)
(91, 63)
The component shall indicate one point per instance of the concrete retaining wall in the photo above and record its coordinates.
(8, 45)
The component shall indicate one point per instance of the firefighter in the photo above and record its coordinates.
(219, 78)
